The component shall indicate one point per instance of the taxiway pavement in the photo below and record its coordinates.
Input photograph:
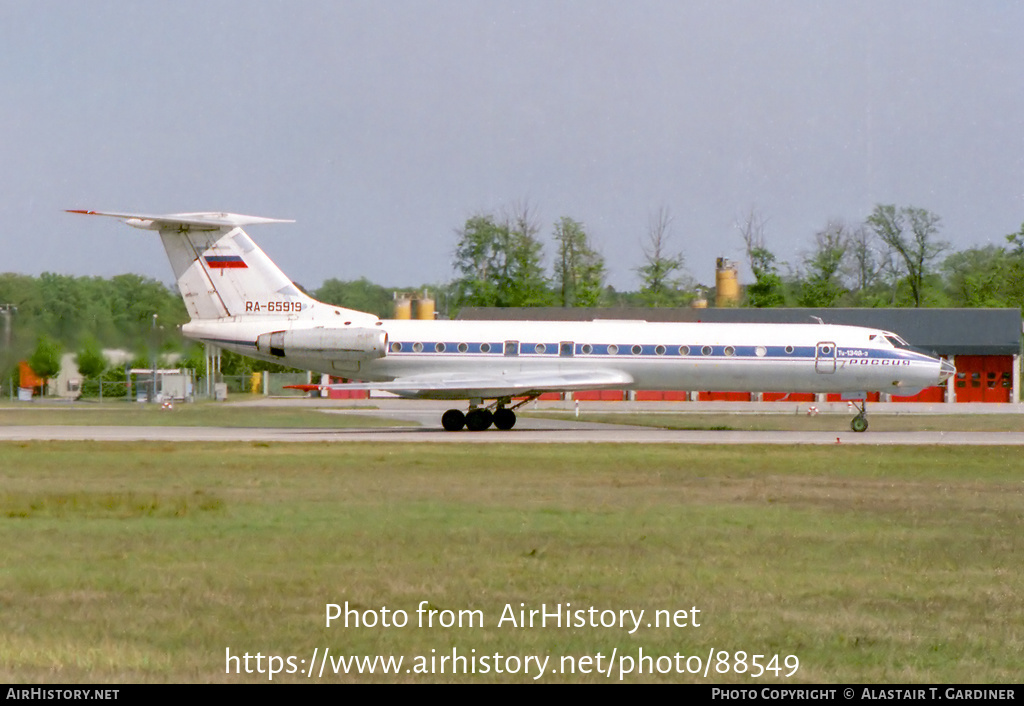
(424, 427)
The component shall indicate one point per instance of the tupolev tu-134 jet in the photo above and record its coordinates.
(240, 300)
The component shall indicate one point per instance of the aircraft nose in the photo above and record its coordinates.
(946, 370)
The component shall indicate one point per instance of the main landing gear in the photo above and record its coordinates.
(860, 422)
(481, 418)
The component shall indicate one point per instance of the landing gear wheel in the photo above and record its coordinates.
(479, 419)
(860, 422)
(453, 420)
(504, 419)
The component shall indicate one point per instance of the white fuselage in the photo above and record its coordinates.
(653, 356)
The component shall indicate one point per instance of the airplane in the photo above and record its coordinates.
(239, 300)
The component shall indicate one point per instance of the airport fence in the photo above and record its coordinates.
(270, 384)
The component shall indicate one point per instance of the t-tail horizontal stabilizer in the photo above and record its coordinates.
(198, 220)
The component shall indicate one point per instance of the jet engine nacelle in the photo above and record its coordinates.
(354, 344)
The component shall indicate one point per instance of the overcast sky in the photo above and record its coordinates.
(381, 126)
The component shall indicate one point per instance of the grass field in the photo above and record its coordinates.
(754, 421)
(146, 562)
(199, 414)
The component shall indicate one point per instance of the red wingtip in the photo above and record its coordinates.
(304, 388)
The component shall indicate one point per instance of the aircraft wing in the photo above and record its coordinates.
(454, 386)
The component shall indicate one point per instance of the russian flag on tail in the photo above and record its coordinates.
(225, 262)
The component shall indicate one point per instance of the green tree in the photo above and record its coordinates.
(90, 360)
(767, 290)
(579, 269)
(910, 233)
(528, 286)
(45, 359)
(865, 268)
(361, 295)
(664, 283)
(498, 263)
(822, 286)
(1016, 240)
(134, 299)
(60, 317)
(481, 262)
(991, 276)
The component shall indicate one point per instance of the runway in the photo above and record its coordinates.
(518, 436)
(424, 427)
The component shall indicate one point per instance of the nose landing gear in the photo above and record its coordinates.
(860, 422)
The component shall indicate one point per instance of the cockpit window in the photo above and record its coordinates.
(896, 341)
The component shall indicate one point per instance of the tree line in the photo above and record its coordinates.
(896, 257)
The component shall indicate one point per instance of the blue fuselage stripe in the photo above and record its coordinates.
(553, 349)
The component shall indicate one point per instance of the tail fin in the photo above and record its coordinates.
(220, 271)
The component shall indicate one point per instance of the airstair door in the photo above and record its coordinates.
(825, 357)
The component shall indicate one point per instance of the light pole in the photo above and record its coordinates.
(8, 310)
(152, 379)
